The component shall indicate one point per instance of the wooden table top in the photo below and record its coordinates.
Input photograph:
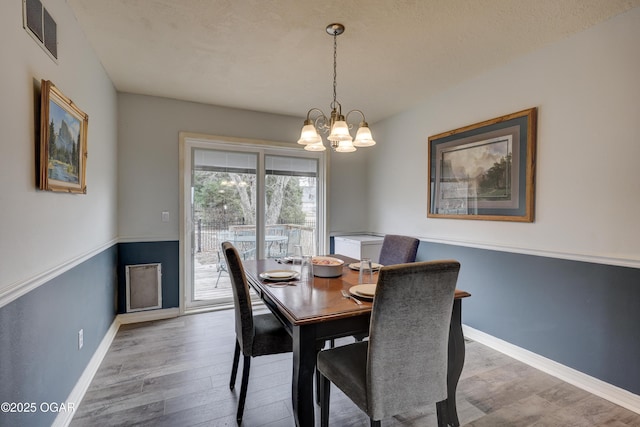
(321, 301)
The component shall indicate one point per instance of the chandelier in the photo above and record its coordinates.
(336, 125)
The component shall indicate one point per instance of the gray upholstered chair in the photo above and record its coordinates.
(398, 249)
(255, 335)
(395, 249)
(404, 363)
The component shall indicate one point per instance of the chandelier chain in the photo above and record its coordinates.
(335, 67)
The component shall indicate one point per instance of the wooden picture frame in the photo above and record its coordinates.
(484, 171)
(63, 142)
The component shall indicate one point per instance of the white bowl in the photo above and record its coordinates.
(326, 266)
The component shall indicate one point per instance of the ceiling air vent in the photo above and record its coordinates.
(39, 23)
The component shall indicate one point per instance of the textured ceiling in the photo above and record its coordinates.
(275, 56)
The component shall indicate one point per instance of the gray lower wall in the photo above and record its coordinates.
(582, 315)
(39, 357)
(579, 314)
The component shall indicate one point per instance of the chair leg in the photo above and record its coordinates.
(219, 274)
(234, 368)
(441, 412)
(318, 386)
(375, 423)
(325, 394)
(319, 375)
(243, 387)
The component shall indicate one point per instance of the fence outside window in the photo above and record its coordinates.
(209, 235)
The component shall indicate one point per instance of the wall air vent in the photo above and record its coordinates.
(144, 287)
(37, 21)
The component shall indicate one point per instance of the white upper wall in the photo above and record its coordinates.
(587, 91)
(40, 230)
(148, 167)
(585, 87)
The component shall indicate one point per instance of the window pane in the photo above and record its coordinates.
(224, 196)
(290, 208)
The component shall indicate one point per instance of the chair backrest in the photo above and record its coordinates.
(241, 298)
(409, 335)
(398, 249)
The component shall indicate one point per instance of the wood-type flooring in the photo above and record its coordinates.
(175, 372)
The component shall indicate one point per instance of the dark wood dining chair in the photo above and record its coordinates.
(404, 364)
(398, 249)
(258, 335)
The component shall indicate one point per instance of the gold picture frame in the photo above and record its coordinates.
(63, 142)
(484, 171)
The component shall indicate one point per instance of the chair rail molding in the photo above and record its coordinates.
(591, 258)
(18, 289)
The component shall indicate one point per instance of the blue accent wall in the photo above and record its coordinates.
(166, 253)
(582, 315)
(39, 356)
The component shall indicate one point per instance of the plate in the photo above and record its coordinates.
(279, 275)
(356, 266)
(366, 291)
(279, 284)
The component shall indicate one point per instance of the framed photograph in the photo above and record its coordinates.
(63, 142)
(484, 171)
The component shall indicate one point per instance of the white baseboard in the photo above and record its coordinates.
(64, 417)
(77, 394)
(148, 316)
(593, 385)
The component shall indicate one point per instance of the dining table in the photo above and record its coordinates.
(316, 311)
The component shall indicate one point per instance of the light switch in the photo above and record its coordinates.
(165, 216)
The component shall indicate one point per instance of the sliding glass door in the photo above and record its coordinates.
(263, 199)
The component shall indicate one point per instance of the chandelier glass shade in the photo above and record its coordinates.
(336, 125)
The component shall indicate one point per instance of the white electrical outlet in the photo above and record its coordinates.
(80, 338)
(165, 216)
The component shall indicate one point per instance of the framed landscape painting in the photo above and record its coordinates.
(63, 142)
(484, 171)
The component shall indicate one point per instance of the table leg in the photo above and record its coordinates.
(455, 363)
(304, 365)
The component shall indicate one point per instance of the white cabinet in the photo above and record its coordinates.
(358, 246)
